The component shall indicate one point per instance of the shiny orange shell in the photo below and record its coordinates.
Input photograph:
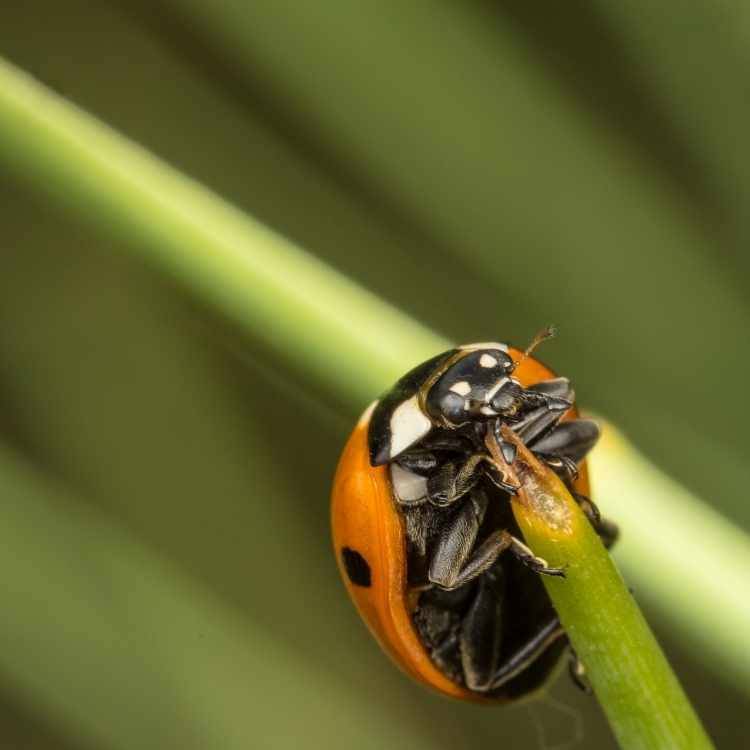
(365, 519)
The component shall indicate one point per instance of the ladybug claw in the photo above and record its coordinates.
(540, 565)
(577, 673)
(537, 564)
(499, 481)
(498, 477)
(558, 572)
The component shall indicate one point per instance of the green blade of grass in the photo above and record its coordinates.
(293, 306)
(645, 704)
(689, 559)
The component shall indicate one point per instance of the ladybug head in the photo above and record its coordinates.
(478, 386)
(472, 383)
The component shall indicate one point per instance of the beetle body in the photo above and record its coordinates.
(423, 530)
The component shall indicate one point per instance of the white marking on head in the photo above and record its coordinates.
(487, 360)
(408, 424)
(410, 488)
(462, 389)
(495, 388)
(486, 345)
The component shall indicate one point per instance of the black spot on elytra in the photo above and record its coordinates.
(357, 567)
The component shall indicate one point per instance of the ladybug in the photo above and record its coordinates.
(423, 530)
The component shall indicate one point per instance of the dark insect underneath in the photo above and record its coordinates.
(423, 528)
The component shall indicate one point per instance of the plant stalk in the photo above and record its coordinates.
(640, 694)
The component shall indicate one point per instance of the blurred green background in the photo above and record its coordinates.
(166, 577)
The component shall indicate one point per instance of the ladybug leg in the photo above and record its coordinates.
(453, 480)
(530, 560)
(450, 568)
(418, 462)
(606, 529)
(438, 618)
(497, 476)
(537, 422)
(562, 466)
(433, 452)
(527, 654)
(589, 508)
(564, 446)
(554, 388)
(481, 632)
(577, 673)
(455, 561)
(608, 532)
(550, 400)
(568, 441)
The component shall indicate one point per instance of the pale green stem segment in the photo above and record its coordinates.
(645, 704)
(315, 321)
(684, 559)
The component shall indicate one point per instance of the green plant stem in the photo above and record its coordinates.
(691, 562)
(301, 312)
(315, 321)
(645, 704)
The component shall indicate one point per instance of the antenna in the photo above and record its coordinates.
(547, 332)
